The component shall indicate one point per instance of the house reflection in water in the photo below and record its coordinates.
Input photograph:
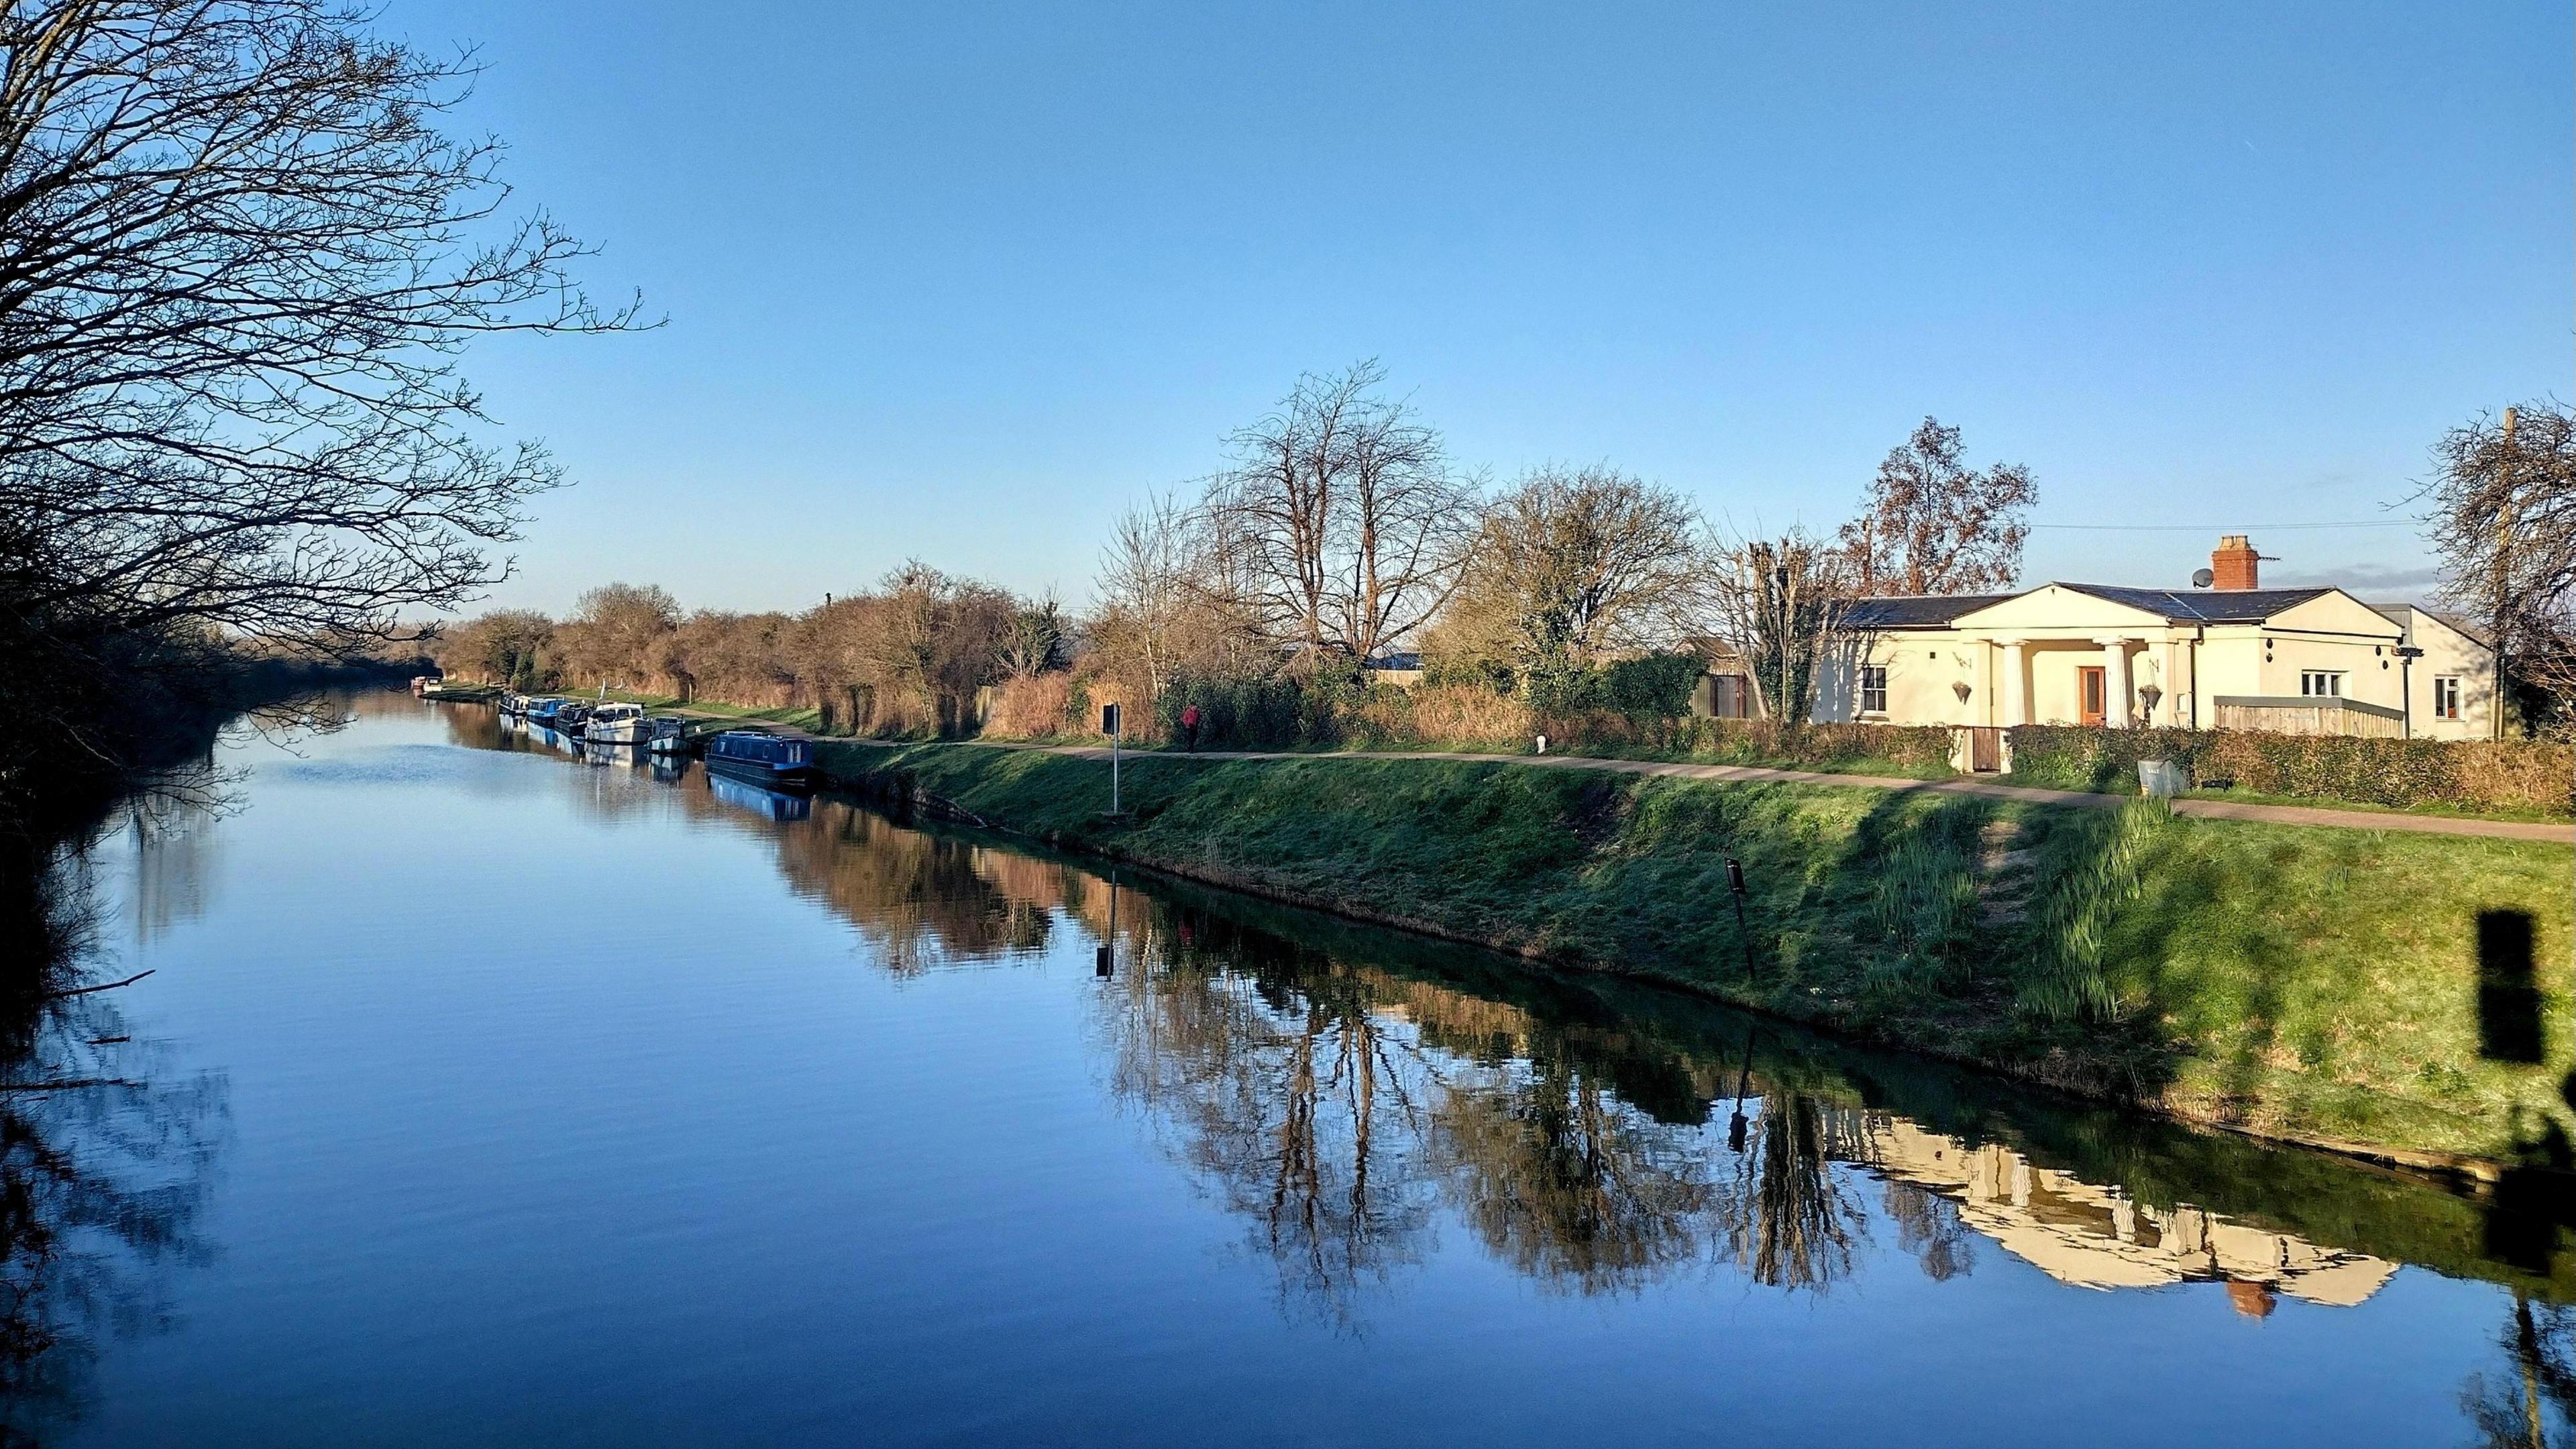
(2098, 1237)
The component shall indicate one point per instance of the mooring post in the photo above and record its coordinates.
(1743, 933)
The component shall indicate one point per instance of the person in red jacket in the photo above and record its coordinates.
(1190, 729)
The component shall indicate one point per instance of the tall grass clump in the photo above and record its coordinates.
(2070, 980)
(1925, 904)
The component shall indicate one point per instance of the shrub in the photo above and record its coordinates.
(1031, 707)
(1657, 686)
(2518, 775)
(1456, 716)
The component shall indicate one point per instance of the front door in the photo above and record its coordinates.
(2088, 683)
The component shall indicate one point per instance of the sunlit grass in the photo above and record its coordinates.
(2292, 977)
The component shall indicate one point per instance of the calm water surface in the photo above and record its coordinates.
(481, 1094)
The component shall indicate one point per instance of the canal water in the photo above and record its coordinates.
(484, 1094)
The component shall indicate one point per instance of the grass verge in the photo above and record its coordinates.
(2379, 989)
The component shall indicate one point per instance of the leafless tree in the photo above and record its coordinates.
(618, 634)
(238, 262)
(1780, 604)
(1932, 525)
(1034, 640)
(1575, 564)
(2502, 511)
(1338, 521)
(1145, 586)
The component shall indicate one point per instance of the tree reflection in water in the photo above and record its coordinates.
(2517, 1409)
(1569, 1185)
(1337, 1106)
(1279, 1083)
(1794, 1224)
(103, 1171)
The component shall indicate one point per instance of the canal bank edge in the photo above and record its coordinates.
(2349, 990)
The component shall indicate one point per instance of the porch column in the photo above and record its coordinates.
(2016, 693)
(2115, 682)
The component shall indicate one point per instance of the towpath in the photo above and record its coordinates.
(2185, 805)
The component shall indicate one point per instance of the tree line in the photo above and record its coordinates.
(1336, 535)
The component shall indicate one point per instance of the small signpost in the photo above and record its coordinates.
(1109, 727)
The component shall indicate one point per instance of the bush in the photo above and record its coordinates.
(1030, 708)
(1253, 713)
(2502, 775)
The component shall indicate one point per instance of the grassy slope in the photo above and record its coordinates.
(2297, 979)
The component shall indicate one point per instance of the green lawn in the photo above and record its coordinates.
(2307, 980)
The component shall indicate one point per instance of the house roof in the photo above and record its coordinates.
(2204, 606)
(1925, 611)
(2404, 614)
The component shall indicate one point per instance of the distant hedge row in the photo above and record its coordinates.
(2496, 775)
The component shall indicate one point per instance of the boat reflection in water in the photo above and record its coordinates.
(776, 805)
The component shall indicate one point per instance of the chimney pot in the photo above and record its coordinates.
(2234, 564)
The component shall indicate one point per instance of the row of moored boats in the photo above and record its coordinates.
(778, 761)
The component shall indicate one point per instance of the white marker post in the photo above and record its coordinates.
(1109, 727)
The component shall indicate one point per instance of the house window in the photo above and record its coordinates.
(2446, 696)
(1873, 689)
(2327, 682)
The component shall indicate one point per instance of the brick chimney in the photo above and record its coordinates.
(2234, 563)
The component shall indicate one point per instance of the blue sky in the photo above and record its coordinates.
(963, 281)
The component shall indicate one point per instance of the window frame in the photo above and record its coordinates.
(2333, 679)
(2446, 696)
(1867, 689)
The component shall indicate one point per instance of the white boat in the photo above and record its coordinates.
(616, 724)
(667, 734)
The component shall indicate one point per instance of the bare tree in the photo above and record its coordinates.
(1573, 565)
(617, 634)
(1338, 522)
(1145, 587)
(1780, 604)
(1034, 640)
(238, 262)
(1932, 525)
(2503, 518)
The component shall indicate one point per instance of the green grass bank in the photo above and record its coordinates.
(2383, 991)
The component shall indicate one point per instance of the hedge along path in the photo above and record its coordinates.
(2562, 834)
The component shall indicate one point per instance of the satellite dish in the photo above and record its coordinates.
(2202, 578)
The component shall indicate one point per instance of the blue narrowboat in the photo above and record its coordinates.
(771, 760)
(543, 711)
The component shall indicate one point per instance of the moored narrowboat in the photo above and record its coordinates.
(667, 734)
(772, 760)
(542, 712)
(572, 717)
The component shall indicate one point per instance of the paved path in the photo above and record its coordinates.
(2207, 808)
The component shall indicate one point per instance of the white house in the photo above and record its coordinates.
(2229, 654)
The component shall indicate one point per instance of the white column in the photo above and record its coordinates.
(2016, 683)
(2115, 682)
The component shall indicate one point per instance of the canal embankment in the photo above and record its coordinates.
(2376, 991)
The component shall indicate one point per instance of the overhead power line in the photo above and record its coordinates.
(2230, 527)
